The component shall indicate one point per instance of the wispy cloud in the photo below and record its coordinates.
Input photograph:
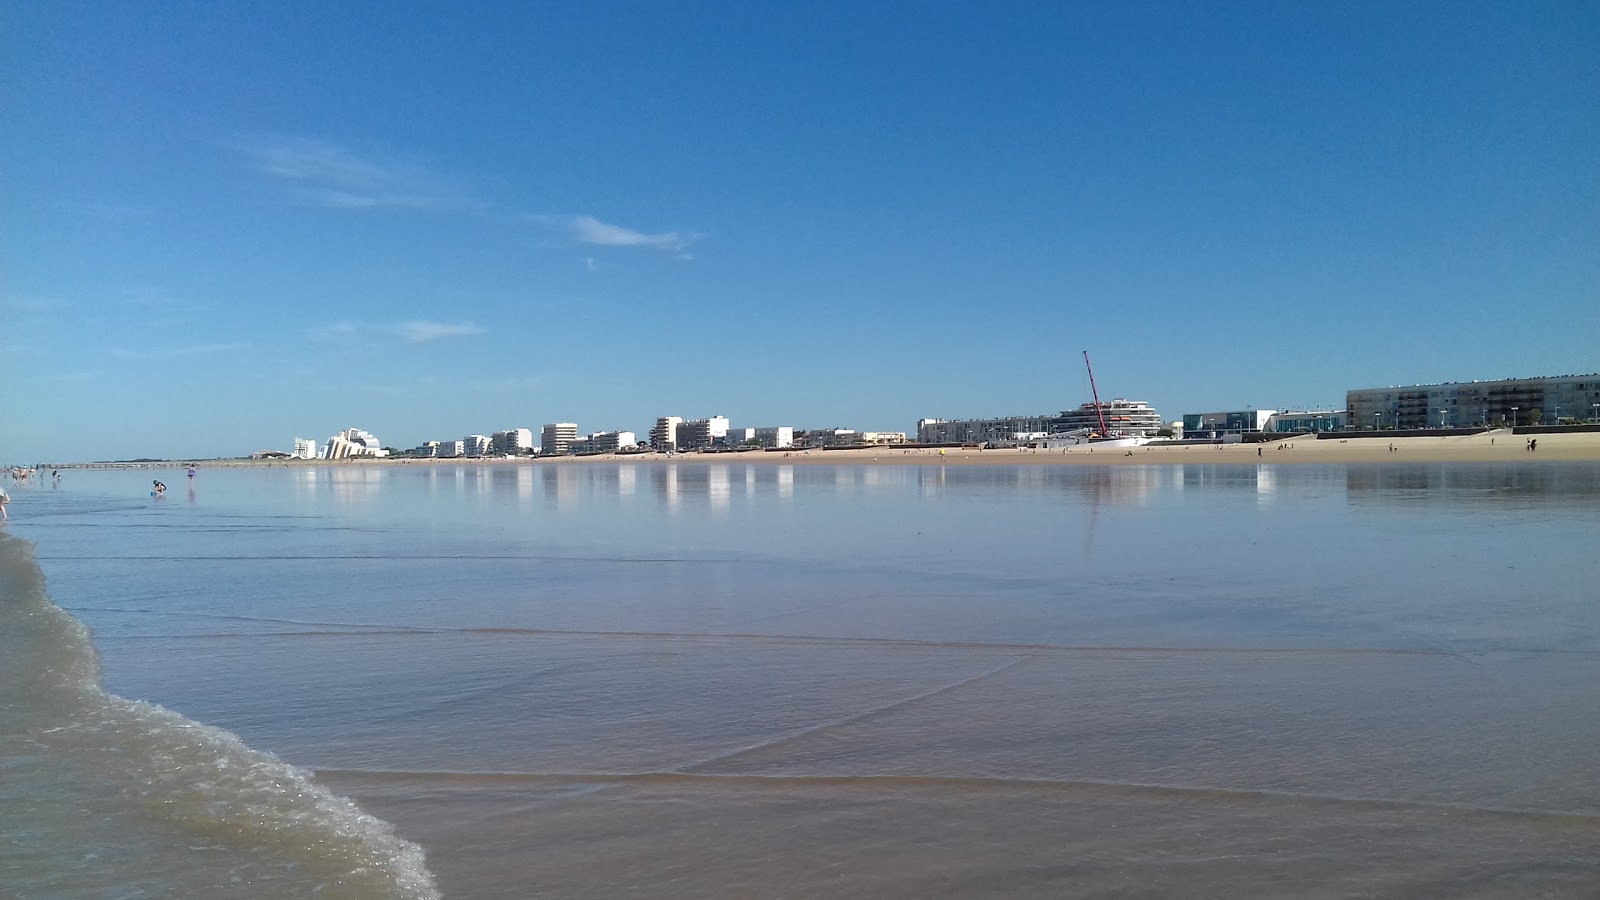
(328, 175)
(178, 352)
(422, 332)
(412, 332)
(592, 231)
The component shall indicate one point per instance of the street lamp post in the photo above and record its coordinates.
(1558, 414)
(1513, 417)
(1375, 420)
(1594, 413)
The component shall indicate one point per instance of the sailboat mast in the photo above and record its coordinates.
(1097, 409)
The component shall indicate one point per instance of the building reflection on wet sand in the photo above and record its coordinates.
(1496, 483)
(720, 486)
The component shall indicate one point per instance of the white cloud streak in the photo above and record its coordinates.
(328, 175)
(589, 230)
(595, 233)
(416, 331)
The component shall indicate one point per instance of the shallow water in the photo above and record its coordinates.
(764, 680)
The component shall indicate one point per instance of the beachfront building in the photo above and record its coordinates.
(451, 449)
(1005, 431)
(883, 437)
(1122, 416)
(776, 437)
(1513, 401)
(512, 441)
(305, 448)
(1291, 421)
(351, 443)
(1222, 424)
(699, 433)
(740, 437)
(828, 437)
(664, 436)
(605, 442)
(556, 439)
(426, 449)
(477, 445)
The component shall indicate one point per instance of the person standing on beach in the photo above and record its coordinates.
(4, 499)
(191, 474)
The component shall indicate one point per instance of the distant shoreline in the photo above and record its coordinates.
(1495, 446)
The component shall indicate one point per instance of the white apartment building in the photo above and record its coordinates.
(605, 442)
(451, 449)
(697, 433)
(476, 445)
(664, 436)
(512, 441)
(557, 438)
(775, 437)
(883, 437)
(427, 448)
(305, 448)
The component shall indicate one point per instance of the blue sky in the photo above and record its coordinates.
(227, 225)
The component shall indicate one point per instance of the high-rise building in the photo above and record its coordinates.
(664, 436)
(556, 438)
(476, 444)
(698, 433)
(305, 449)
(512, 441)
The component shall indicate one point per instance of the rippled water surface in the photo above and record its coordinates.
(689, 680)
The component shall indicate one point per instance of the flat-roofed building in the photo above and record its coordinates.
(1004, 431)
(699, 433)
(512, 441)
(557, 438)
(775, 437)
(1291, 421)
(605, 442)
(1512, 401)
(664, 436)
(883, 437)
(1219, 424)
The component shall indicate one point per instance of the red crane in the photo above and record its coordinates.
(1097, 410)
